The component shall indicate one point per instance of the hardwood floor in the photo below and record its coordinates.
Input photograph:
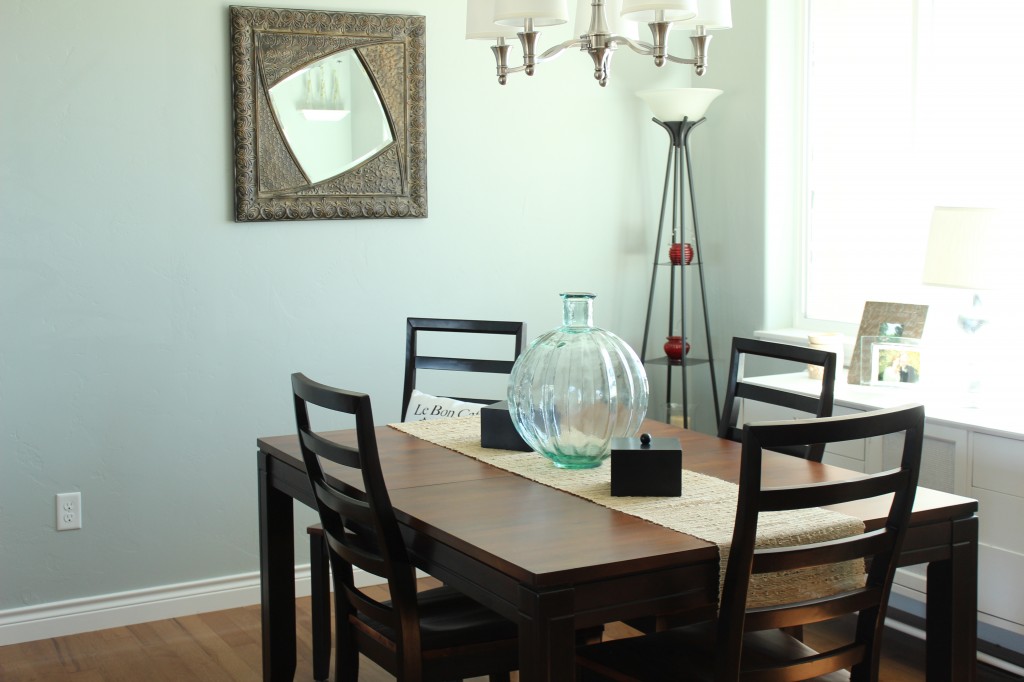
(224, 646)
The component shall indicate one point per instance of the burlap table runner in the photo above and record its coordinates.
(706, 510)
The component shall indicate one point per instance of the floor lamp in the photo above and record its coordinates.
(679, 111)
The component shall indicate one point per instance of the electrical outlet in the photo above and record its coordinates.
(69, 511)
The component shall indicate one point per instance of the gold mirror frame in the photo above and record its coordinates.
(269, 45)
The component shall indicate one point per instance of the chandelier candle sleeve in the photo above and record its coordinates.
(577, 387)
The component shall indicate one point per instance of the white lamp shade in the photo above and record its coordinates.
(480, 22)
(617, 24)
(713, 15)
(644, 10)
(968, 248)
(675, 104)
(543, 12)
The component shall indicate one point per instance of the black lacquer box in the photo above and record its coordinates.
(647, 467)
(497, 430)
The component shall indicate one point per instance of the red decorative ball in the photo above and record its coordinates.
(674, 347)
(675, 253)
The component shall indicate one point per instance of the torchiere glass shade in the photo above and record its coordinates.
(675, 104)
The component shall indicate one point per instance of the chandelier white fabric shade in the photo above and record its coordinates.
(713, 15)
(645, 10)
(617, 24)
(480, 22)
(676, 104)
(542, 12)
(968, 248)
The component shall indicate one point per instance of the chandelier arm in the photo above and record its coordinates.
(638, 46)
(647, 49)
(556, 51)
(600, 47)
(680, 60)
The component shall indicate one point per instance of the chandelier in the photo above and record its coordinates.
(608, 25)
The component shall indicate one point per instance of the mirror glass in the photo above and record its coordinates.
(331, 115)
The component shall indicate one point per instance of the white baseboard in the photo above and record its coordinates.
(74, 616)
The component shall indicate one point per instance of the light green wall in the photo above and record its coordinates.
(147, 339)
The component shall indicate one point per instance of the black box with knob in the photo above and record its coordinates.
(646, 467)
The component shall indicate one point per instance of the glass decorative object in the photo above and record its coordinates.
(577, 387)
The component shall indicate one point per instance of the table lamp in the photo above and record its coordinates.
(967, 249)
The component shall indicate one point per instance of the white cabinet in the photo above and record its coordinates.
(974, 452)
(996, 466)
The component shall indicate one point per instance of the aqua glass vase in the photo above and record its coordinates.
(577, 387)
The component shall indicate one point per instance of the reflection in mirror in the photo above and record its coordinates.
(331, 115)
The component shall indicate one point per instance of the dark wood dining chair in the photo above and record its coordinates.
(319, 573)
(415, 361)
(747, 643)
(737, 390)
(437, 634)
(728, 427)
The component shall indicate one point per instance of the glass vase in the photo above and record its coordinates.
(577, 387)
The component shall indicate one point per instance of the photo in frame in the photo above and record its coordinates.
(892, 362)
(886, 320)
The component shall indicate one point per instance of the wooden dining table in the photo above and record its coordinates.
(555, 563)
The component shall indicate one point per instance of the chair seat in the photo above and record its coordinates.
(687, 653)
(449, 618)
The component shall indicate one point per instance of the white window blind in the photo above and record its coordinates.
(909, 105)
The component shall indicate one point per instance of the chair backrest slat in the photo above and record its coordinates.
(359, 524)
(465, 364)
(771, 560)
(820, 494)
(414, 361)
(737, 390)
(877, 548)
(809, 611)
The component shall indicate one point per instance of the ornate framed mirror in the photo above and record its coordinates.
(329, 114)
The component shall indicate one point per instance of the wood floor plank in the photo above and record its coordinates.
(225, 646)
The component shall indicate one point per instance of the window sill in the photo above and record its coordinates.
(798, 337)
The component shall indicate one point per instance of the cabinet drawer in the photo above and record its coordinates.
(1001, 592)
(998, 464)
(999, 520)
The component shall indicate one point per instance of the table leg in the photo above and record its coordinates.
(547, 636)
(277, 578)
(952, 609)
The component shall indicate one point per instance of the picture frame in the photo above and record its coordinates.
(893, 361)
(308, 87)
(884, 320)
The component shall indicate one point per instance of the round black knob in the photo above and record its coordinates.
(645, 440)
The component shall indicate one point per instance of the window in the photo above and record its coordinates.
(908, 105)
